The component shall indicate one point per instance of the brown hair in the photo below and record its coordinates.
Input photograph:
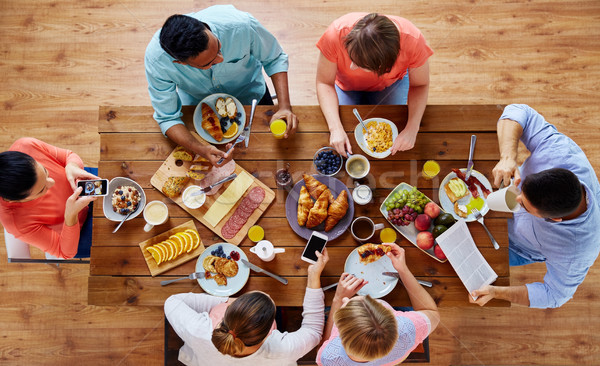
(374, 43)
(247, 322)
(368, 329)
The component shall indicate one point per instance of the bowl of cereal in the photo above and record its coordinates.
(380, 138)
(124, 196)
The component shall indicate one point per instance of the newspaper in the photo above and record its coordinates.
(462, 253)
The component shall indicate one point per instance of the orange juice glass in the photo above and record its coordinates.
(431, 169)
(256, 233)
(388, 235)
(278, 128)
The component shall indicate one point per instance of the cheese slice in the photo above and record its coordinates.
(228, 199)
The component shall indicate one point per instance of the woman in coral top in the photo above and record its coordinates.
(372, 59)
(39, 197)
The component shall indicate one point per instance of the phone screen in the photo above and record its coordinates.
(314, 243)
(98, 187)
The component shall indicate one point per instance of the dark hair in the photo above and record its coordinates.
(246, 323)
(17, 175)
(374, 43)
(183, 37)
(554, 192)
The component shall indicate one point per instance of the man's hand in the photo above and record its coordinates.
(75, 204)
(405, 140)
(504, 171)
(397, 256)
(483, 295)
(213, 155)
(75, 173)
(348, 286)
(290, 118)
(340, 142)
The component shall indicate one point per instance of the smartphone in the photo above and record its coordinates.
(96, 187)
(317, 241)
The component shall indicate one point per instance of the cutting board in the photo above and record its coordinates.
(184, 257)
(170, 168)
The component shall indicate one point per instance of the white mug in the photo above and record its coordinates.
(155, 213)
(357, 166)
(504, 199)
(265, 251)
(363, 228)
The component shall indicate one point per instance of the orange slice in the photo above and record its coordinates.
(155, 254)
(173, 247)
(167, 249)
(179, 242)
(231, 131)
(162, 250)
(189, 241)
(195, 237)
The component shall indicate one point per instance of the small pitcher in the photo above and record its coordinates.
(265, 251)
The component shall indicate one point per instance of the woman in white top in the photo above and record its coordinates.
(244, 334)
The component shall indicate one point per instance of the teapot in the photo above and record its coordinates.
(265, 251)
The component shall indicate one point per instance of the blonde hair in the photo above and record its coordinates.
(368, 329)
(374, 43)
(246, 323)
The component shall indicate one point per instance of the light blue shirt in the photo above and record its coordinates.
(246, 46)
(569, 247)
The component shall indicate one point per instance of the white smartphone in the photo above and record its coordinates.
(95, 187)
(317, 241)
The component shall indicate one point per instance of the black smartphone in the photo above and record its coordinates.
(317, 241)
(96, 187)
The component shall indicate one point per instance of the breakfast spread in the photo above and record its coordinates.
(369, 253)
(379, 136)
(326, 208)
(174, 186)
(125, 199)
(241, 214)
(228, 199)
(218, 266)
(176, 245)
(210, 122)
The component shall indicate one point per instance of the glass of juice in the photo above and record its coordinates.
(278, 128)
(256, 233)
(431, 169)
(387, 235)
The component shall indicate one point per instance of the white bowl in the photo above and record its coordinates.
(107, 204)
(360, 138)
(327, 148)
(193, 202)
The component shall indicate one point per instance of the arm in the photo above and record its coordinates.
(509, 133)
(328, 101)
(188, 314)
(417, 101)
(182, 136)
(514, 294)
(347, 287)
(280, 81)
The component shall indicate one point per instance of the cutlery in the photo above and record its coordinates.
(247, 128)
(395, 274)
(122, 221)
(204, 190)
(256, 268)
(193, 276)
(330, 286)
(361, 122)
(470, 163)
(239, 139)
(479, 218)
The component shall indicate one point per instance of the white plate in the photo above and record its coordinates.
(107, 200)
(379, 285)
(211, 100)
(448, 206)
(360, 138)
(235, 283)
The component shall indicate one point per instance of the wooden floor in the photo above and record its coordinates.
(59, 60)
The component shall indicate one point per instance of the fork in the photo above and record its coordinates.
(193, 276)
(239, 139)
(479, 218)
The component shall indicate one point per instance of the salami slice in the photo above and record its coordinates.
(228, 232)
(256, 195)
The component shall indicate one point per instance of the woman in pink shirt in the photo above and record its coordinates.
(372, 59)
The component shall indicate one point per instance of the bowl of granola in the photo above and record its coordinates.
(124, 196)
(378, 140)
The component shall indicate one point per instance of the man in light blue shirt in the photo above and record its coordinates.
(216, 50)
(559, 219)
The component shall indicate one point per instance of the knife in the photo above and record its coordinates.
(256, 268)
(470, 163)
(206, 189)
(330, 286)
(394, 274)
(193, 276)
(249, 125)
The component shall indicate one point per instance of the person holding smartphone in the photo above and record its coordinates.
(39, 197)
(230, 331)
(362, 329)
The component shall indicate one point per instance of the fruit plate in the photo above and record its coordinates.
(379, 285)
(211, 100)
(362, 142)
(235, 283)
(409, 231)
(448, 206)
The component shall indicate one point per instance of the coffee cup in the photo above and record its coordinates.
(504, 199)
(155, 213)
(357, 166)
(363, 228)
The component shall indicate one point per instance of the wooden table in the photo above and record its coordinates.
(132, 146)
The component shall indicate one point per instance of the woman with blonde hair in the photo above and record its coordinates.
(242, 331)
(363, 331)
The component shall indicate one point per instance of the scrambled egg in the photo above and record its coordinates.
(379, 137)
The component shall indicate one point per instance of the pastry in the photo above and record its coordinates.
(180, 153)
(456, 189)
(210, 122)
(315, 188)
(209, 264)
(174, 185)
(461, 210)
(305, 203)
(336, 210)
(318, 213)
(226, 107)
(198, 171)
(369, 253)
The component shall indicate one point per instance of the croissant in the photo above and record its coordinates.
(315, 188)
(305, 203)
(210, 122)
(318, 213)
(337, 210)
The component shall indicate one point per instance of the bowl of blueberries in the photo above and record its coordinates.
(327, 161)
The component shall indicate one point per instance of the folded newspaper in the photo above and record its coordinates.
(460, 249)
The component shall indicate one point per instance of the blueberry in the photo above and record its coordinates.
(237, 121)
(212, 252)
(122, 198)
(220, 247)
(120, 192)
(224, 120)
(128, 203)
(228, 257)
(238, 114)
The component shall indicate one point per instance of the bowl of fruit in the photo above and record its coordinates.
(327, 161)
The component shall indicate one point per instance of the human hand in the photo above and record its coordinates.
(397, 256)
(483, 295)
(317, 268)
(75, 204)
(504, 171)
(348, 286)
(338, 139)
(290, 118)
(405, 140)
(213, 155)
(74, 173)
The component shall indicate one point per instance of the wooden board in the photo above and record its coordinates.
(165, 266)
(170, 168)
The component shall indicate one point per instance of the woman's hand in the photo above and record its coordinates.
(314, 270)
(75, 173)
(397, 257)
(340, 142)
(348, 286)
(75, 204)
(405, 140)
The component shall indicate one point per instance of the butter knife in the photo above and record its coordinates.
(395, 274)
(249, 125)
(206, 189)
(256, 268)
(470, 163)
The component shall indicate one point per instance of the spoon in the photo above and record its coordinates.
(361, 121)
(122, 221)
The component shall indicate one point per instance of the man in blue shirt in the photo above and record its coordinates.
(559, 219)
(217, 50)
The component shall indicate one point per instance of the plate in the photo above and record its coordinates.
(235, 283)
(360, 138)
(211, 100)
(379, 285)
(107, 200)
(291, 209)
(448, 206)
